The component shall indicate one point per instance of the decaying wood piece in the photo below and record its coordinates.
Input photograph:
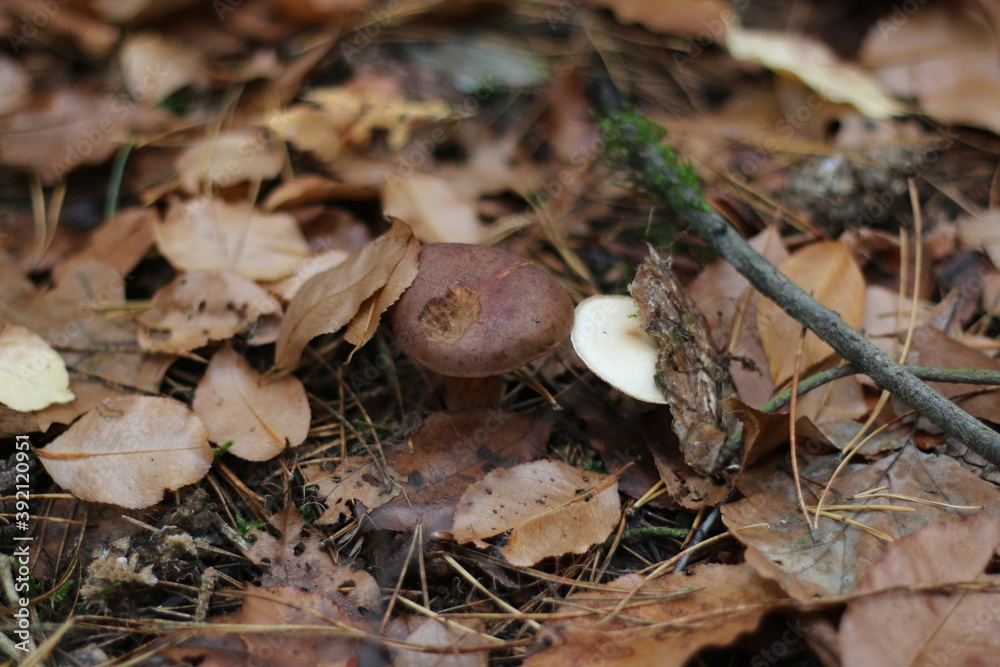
(691, 372)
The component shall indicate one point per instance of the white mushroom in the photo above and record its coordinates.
(609, 338)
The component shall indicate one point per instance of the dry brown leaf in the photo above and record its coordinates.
(312, 188)
(236, 156)
(928, 627)
(364, 324)
(769, 523)
(689, 18)
(815, 64)
(128, 450)
(356, 479)
(16, 84)
(665, 623)
(120, 242)
(547, 508)
(453, 449)
(885, 319)
(932, 347)
(287, 288)
(300, 559)
(155, 66)
(331, 299)
(84, 311)
(827, 271)
(438, 212)
(203, 306)
(32, 374)
(209, 234)
(260, 416)
(686, 486)
(943, 55)
(67, 128)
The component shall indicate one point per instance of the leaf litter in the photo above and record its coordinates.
(195, 220)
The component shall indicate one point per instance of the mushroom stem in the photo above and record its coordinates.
(484, 392)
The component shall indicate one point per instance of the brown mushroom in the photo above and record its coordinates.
(476, 312)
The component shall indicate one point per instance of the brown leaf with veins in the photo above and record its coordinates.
(928, 627)
(199, 307)
(452, 450)
(260, 416)
(666, 621)
(769, 522)
(544, 508)
(330, 300)
(356, 479)
(128, 450)
(932, 347)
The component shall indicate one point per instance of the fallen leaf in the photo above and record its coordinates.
(16, 84)
(932, 347)
(365, 322)
(205, 234)
(287, 288)
(154, 67)
(982, 233)
(816, 65)
(312, 188)
(931, 627)
(686, 486)
(438, 212)
(331, 299)
(546, 508)
(128, 450)
(452, 450)
(120, 242)
(688, 18)
(441, 640)
(941, 56)
(827, 271)
(769, 523)
(221, 160)
(356, 479)
(196, 308)
(67, 128)
(260, 416)
(32, 374)
(665, 622)
(299, 558)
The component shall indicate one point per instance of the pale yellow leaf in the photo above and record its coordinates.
(550, 508)
(209, 234)
(433, 206)
(32, 374)
(329, 300)
(128, 450)
(261, 416)
(827, 271)
(816, 65)
(200, 307)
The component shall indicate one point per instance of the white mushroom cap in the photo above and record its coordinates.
(609, 338)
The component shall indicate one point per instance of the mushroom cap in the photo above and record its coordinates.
(609, 338)
(476, 311)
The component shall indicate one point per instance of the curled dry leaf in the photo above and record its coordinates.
(231, 157)
(547, 508)
(205, 234)
(911, 627)
(331, 299)
(200, 307)
(32, 374)
(128, 450)
(312, 188)
(827, 271)
(261, 416)
(665, 622)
